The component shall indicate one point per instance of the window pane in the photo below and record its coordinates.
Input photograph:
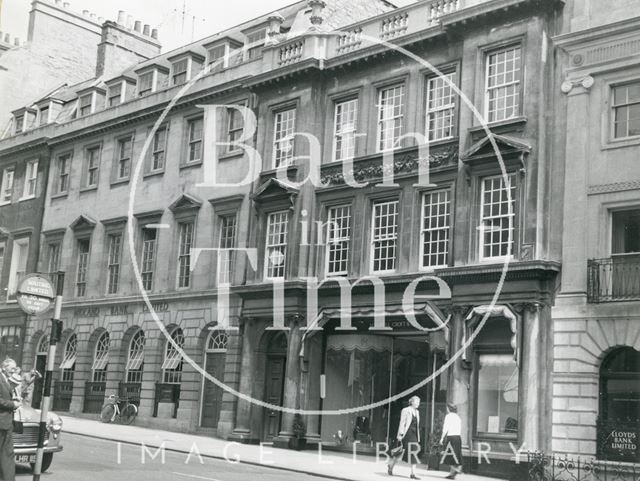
(338, 237)
(436, 207)
(384, 236)
(276, 244)
(497, 405)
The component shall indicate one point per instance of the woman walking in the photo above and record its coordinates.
(409, 435)
(452, 430)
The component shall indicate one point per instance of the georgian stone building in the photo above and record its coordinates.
(596, 370)
(486, 223)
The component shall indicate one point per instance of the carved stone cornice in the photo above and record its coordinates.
(615, 187)
(372, 170)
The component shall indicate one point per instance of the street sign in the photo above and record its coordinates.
(35, 294)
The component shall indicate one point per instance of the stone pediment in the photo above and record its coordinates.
(185, 202)
(484, 151)
(275, 188)
(83, 222)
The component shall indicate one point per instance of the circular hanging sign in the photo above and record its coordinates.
(35, 294)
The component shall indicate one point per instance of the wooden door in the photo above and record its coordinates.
(212, 394)
(273, 395)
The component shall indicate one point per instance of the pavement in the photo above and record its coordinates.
(324, 464)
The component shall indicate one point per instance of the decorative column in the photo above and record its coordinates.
(574, 248)
(316, 6)
(291, 397)
(242, 431)
(532, 368)
(273, 34)
(459, 373)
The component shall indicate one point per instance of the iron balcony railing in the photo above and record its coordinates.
(616, 278)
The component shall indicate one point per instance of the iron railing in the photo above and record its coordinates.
(94, 397)
(616, 278)
(130, 391)
(62, 394)
(542, 467)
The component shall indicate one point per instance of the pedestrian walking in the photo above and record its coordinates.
(8, 404)
(451, 432)
(409, 435)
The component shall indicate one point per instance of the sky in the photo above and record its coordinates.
(201, 18)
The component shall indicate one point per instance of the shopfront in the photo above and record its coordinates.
(368, 367)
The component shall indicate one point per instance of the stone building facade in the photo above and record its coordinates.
(596, 381)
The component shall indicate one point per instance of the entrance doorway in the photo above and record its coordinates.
(40, 364)
(274, 384)
(214, 362)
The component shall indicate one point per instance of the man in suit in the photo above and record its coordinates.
(7, 406)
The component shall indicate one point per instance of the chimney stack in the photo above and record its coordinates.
(129, 21)
(7, 38)
(66, 4)
(121, 17)
(58, 2)
(101, 20)
(16, 42)
(146, 30)
(85, 13)
(154, 33)
(138, 26)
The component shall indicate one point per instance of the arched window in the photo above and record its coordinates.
(172, 365)
(101, 358)
(217, 341)
(68, 364)
(619, 420)
(135, 360)
(43, 346)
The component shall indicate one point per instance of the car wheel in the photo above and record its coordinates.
(47, 459)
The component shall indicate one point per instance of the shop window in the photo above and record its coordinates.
(497, 400)
(135, 359)
(101, 359)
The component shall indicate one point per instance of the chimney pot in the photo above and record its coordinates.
(121, 17)
(66, 4)
(129, 21)
(146, 30)
(7, 38)
(85, 13)
(138, 26)
(101, 20)
(93, 16)
(16, 41)
(58, 2)
(154, 33)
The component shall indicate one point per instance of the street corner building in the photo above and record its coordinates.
(530, 217)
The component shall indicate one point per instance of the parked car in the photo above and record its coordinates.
(25, 443)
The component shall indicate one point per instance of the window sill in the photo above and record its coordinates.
(188, 165)
(153, 173)
(231, 155)
(89, 189)
(621, 143)
(508, 124)
(60, 195)
(115, 183)
(22, 199)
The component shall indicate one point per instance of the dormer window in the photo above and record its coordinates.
(184, 67)
(220, 53)
(19, 123)
(146, 83)
(255, 43)
(115, 95)
(43, 115)
(85, 106)
(180, 72)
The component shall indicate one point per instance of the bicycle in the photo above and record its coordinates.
(112, 410)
